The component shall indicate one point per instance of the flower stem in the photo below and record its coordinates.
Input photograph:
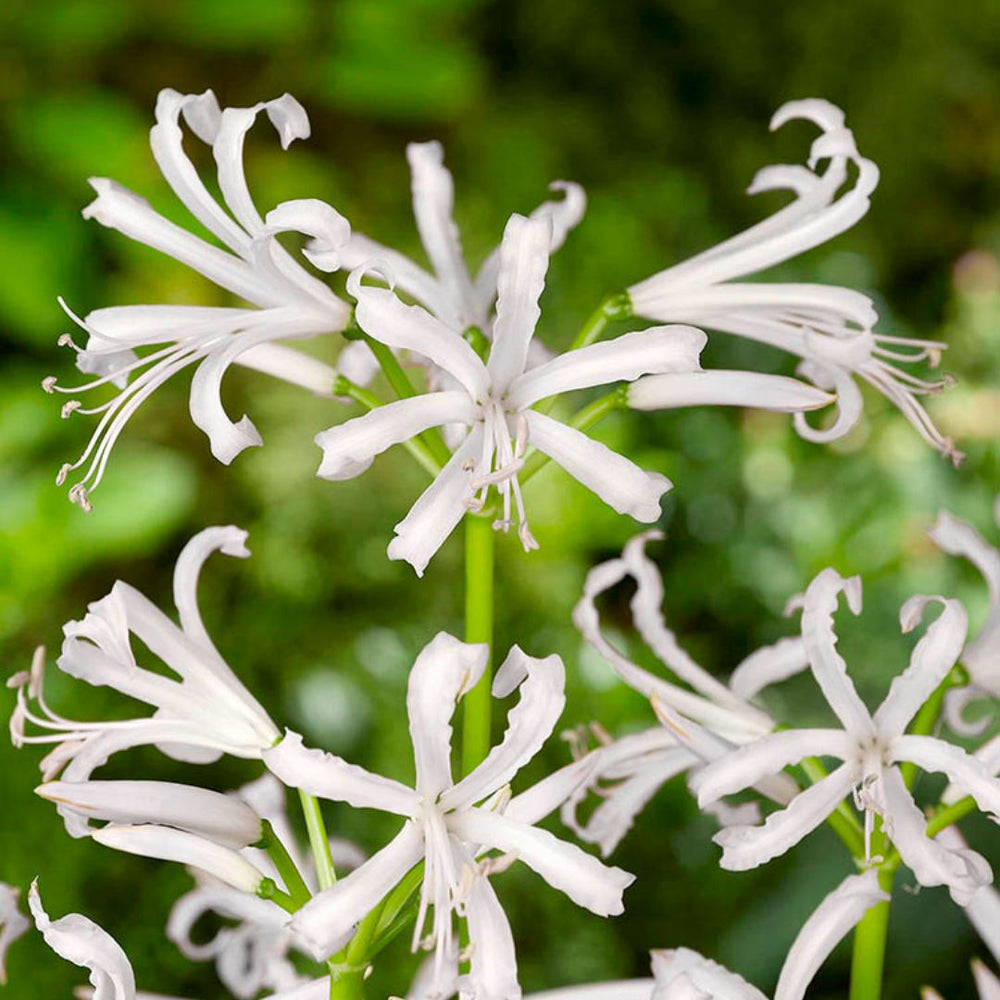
(868, 958)
(290, 875)
(950, 814)
(613, 307)
(927, 717)
(318, 840)
(479, 553)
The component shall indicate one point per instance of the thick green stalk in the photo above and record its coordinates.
(613, 307)
(479, 552)
(948, 815)
(318, 840)
(868, 959)
(415, 446)
(297, 889)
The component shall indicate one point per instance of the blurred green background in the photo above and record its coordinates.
(660, 110)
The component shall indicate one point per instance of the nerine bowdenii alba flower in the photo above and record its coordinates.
(286, 302)
(830, 328)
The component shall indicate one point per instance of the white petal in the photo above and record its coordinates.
(818, 605)
(331, 777)
(962, 870)
(683, 974)
(493, 965)
(524, 259)
(139, 325)
(619, 482)
(529, 724)
(839, 912)
(318, 989)
(229, 540)
(744, 766)
(166, 137)
(725, 388)
(382, 316)
(535, 803)
(438, 509)
(749, 846)
(960, 539)
(987, 983)
(83, 943)
(185, 848)
(769, 665)
(620, 989)
(583, 878)
(933, 656)
(970, 774)
(216, 817)
(327, 227)
(658, 349)
(444, 671)
(327, 920)
(983, 910)
(13, 924)
(433, 202)
(849, 403)
(350, 448)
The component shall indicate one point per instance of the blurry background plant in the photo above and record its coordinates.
(660, 111)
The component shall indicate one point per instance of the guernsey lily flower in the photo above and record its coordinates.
(981, 656)
(630, 770)
(446, 828)
(450, 293)
(13, 924)
(286, 301)
(682, 974)
(829, 328)
(201, 713)
(870, 747)
(494, 401)
(80, 941)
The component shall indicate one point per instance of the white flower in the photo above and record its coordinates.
(630, 770)
(445, 828)
(495, 399)
(200, 715)
(13, 924)
(869, 745)
(80, 941)
(682, 974)
(830, 328)
(981, 656)
(287, 302)
(987, 984)
(455, 298)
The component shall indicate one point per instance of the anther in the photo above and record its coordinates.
(78, 495)
(49, 383)
(68, 408)
(63, 473)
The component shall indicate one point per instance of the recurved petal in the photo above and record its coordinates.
(839, 912)
(933, 656)
(726, 388)
(828, 666)
(80, 941)
(769, 665)
(529, 724)
(983, 910)
(327, 920)
(962, 870)
(747, 847)
(350, 448)
(970, 774)
(13, 924)
(219, 818)
(745, 766)
(524, 259)
(683, 974)
(438, 509)
(583, 878)
(960, 539)
(493, 964)
(445, 669)
(658, 349)
(331, 777)
(619, 482)
(382, 316)
(849, 404)
(329, 230)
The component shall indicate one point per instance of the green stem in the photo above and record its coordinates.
(415, 446)
(868, 958)
(582, 420)
(842, 821)
(318, 840)
(268, 889)
(404, 389)
(950, 814)
(613, 307)
(927, 717)
(479, 552)
(298, 890)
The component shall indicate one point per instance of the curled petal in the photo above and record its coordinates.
(83, 943)
(769, 665)
(618, 481)
(683, 974)
(329, 230)
(849, 402)
(983, 910)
